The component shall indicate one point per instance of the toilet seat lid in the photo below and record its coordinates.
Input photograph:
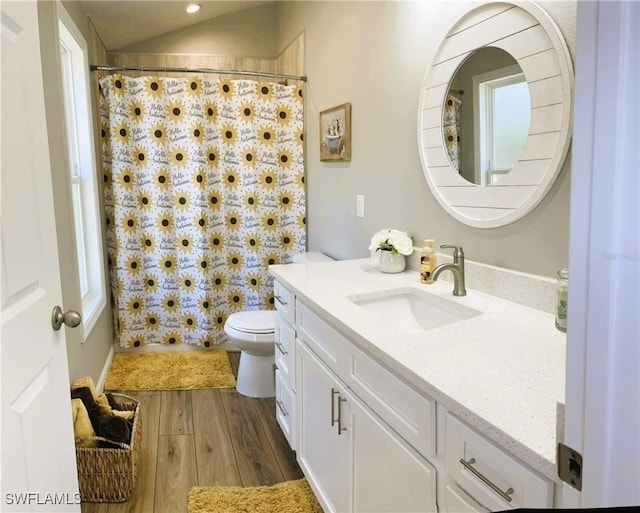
(255, 321)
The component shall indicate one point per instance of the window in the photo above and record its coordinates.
(504, 115)
(74, 68)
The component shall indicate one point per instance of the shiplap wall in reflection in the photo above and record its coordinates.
(537, 45)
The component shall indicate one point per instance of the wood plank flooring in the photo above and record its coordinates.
(203, 438)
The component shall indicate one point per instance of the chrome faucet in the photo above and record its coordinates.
(457, 268)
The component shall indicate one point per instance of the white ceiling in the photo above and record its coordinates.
(122, 23)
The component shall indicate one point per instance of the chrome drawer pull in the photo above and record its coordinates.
(281, 349)
(468, 465)
(341, 428)
(279, 300)
(281, 406)
(333, 409)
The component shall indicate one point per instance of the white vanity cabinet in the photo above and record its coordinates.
(285, 360)
(365, 437)
(488, 474)
(353, 459)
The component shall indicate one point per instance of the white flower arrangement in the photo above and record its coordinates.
(392, 240)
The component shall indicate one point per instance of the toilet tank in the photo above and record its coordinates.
(310, 257)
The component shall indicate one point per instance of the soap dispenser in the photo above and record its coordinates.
(427, 262)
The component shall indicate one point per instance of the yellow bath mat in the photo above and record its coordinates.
(288, 497)
(179, 370)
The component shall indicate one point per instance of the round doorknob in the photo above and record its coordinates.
(71, 318)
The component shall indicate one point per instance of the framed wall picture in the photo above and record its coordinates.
(335, 133)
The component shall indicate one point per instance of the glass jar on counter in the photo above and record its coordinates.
(561, 299)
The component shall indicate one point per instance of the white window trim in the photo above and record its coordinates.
(94, 301)
(482, 96)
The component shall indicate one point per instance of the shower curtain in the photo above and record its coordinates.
(451, 129)
(204, 189)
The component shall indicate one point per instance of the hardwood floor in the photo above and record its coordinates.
(203, 438)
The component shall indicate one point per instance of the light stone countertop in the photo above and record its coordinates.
(502, 372)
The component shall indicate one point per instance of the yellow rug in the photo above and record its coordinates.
(178, 370)
(288, 497)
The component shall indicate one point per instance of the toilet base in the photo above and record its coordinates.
(256, 375)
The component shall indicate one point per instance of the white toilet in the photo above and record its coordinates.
(253, 332)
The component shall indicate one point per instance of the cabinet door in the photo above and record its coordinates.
(320, 447)
(386, 474)
(285, 339)
(456, 501)
(285, 410)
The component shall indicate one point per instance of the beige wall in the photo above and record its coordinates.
(248, 33)
(88, 358)
(375, 55)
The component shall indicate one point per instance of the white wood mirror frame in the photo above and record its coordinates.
(527, 32)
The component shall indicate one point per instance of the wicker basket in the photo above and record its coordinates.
(110, 474)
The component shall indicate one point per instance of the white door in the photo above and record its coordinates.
(603, 331)
(38, 454)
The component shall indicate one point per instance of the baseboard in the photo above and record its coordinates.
(105, 370)
(164, 348)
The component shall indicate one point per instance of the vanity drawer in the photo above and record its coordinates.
(410, 414)
(511, 479)
(284, 301)
(285, 342)
(326, 342)
(285, 404)
(456, 501)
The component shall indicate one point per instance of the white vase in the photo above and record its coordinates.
(390, 263)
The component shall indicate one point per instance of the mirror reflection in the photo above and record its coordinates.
(486, 116)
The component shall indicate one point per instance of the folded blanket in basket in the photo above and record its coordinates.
(82, 427)
(104, 422)
(112, 407)
(105, 402)
(115, 429)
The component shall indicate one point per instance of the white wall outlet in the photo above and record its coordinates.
(359, 205)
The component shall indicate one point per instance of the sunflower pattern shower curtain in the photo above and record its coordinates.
(451, 129)
(204, 188)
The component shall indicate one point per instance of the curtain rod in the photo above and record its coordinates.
(94, 67)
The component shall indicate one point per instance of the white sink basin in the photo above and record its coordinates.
(409, 309)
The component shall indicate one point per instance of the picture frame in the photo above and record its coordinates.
(335, 133)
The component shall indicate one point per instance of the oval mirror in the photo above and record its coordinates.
(515, 180)
(486, 116)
